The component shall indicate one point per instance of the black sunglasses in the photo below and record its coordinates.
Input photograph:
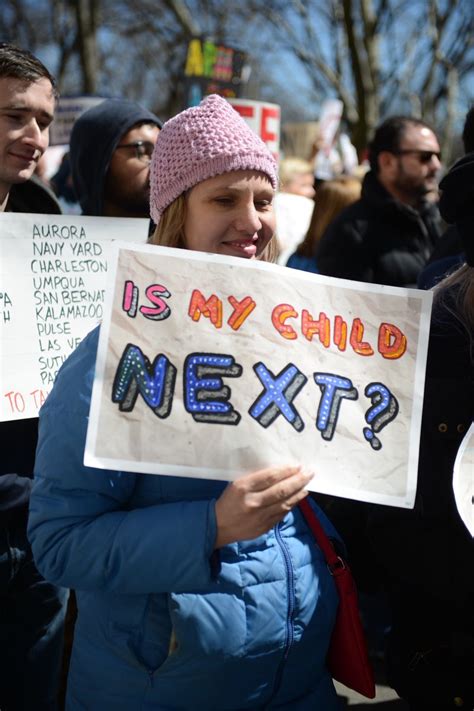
(143, 149)
(423, 156)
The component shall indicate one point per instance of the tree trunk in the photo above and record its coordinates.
(447, 139)
(365, 70)
(87, 13)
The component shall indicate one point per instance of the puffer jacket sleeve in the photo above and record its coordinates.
(83, 533)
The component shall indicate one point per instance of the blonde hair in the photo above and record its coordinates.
(170, 230)
(332, 196)
(290, 167)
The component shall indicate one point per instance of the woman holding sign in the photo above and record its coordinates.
(191, 594)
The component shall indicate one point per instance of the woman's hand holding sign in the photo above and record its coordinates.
(251, 505)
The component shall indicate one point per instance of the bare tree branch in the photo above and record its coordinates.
(376, 55)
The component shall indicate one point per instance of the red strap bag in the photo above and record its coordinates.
(347, 658)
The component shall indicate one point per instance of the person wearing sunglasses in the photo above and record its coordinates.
(110, 153)
(387, 236)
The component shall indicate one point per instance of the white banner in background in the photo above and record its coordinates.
(53, 271)
(264, 119)
(68, 110)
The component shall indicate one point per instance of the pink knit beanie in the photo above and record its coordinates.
(200, 143)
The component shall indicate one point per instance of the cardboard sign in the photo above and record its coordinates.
(212, 366)
(264, 119)
(53, 271)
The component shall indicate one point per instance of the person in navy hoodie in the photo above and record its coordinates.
(110, 154)
(192, 594)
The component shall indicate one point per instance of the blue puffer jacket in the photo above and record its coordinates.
(164, 623)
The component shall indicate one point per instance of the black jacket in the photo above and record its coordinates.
(446, 257)
(450, 245)
(379, 239)
(19, 437)
(426, 554)
(32, 196)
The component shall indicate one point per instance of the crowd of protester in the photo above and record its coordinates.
(174, 594)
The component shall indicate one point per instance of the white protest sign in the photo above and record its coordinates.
(329, 120)
(329, 162)
(263, 118)
(53, 271)
(463, 480)
(211, 366)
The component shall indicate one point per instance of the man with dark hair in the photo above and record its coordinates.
(31, 610)
(110, 152)
(387, 236)
(27, 102)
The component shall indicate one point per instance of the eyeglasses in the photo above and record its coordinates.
(143, 149)
(423, 156)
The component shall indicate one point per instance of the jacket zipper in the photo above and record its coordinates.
(291, 608)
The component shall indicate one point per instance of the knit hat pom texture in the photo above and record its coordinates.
(200, 143)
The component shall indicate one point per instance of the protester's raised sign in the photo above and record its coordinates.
(213, 69)
(53, 271)
(211, 366)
